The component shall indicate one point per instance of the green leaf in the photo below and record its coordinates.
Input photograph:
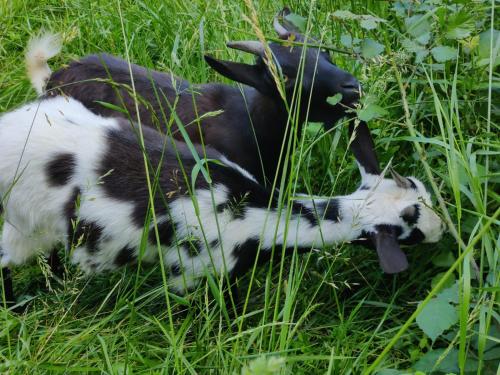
(432, 362)
(444, 259)
(371, 48)
(419, 50)
(344, 15)
(484, 48)
(389, 371)
(369, 22)
(492, 354)
(485, 43)
(449, 294)
(448, 283)
(335, 99)
(459, 25)
(298, 21)
(436, 317)
(418, 26)
(370, 112)
(444, 53)
(346, 40)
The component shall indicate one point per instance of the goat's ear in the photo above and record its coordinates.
(363, 148)
(244, 73)
(391, 258)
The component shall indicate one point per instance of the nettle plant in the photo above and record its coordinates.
(434, 65)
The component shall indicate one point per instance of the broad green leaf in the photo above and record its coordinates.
(344, 15)
(421, 55)
(370, 112)
(436, 317)
(432, 362)
(298, 21)
(417, 25)
(459, 25)
(335, 99)
(389, 371)
(444, 259)
(346, 40)
(402, 8)
(444, 53)
(485, 46)
(419, 50)
(264, 366)
(492, 354)
(485, 43)
(449, 294)
(371, 48)
(370, 22)
(449, 282)
(424, 38)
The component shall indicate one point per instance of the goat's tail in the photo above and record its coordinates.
(39, 50)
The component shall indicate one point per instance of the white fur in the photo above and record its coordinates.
(39, 50)
(31, 135)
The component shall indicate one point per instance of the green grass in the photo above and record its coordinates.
(325, 312)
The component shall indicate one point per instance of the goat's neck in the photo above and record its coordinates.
(306, 223)
(269, 115)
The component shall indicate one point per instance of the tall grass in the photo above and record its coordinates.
(329, 311)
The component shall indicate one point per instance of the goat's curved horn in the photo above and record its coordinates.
(283, 33)
(401, 181)
(252, 46)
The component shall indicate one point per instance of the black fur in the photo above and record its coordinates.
(410, 217)
(298, 209)
(86, 234)
(193, 248)
(331, 210)
(175, 270)
(126, 255)
(165, 234)
(246, 255)
(80, 232)
(8, 289)
(70, 212)
(416, 236)
(413, 185)
(60, 169)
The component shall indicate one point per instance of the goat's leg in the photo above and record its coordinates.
(363, 147)
(55, 264)
(8, 290)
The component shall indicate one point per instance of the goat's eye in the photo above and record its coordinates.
(285, 78)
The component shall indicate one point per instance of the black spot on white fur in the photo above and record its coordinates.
(125, 255)
(412, 184)
(175, 269)
(416, 236)
(86, 234)
(332, 210)
(165, 233)
(411, 214)
(298, 209)
(193, 248)
(60, 169)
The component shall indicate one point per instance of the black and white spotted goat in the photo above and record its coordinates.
(69, 175)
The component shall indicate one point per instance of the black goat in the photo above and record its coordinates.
(254, 122)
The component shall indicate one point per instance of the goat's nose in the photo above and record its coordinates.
(351, 85)
(351, 90)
